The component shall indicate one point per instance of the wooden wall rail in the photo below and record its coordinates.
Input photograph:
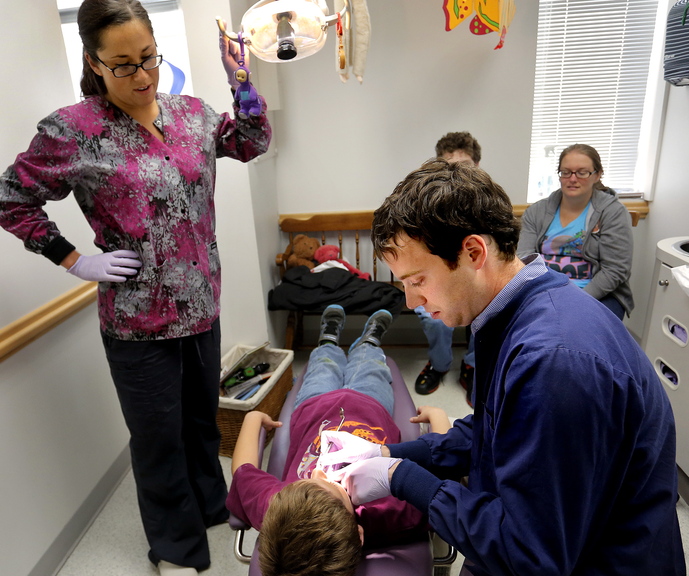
(362, 219)
(19, 333)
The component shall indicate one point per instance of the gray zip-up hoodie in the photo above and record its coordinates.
(608, 246)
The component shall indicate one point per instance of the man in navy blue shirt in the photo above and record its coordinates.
(570, 452)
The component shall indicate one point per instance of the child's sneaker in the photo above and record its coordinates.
(332, 322)
(376, 325)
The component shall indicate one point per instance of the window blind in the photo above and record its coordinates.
(592, 66)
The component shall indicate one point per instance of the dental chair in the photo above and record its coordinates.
(409, 559)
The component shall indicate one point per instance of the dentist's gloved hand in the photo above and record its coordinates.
(109, 266)
(230, 55)
(345, 448)
(366, 480)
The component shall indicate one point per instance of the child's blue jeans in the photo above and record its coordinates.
(364, 370)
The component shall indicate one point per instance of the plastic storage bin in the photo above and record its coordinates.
(269, 398)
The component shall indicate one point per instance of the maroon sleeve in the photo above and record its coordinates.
(250, 494)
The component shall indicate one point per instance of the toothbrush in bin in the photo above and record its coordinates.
(248, 388)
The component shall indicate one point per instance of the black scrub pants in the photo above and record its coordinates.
(168, 391)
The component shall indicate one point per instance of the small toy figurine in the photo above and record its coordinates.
(245, 94)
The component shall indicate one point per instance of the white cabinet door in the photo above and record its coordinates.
(667, 349)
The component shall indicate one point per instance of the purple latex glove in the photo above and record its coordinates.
(230, 56)
(107, 267)
(344, 448)
(366, 480)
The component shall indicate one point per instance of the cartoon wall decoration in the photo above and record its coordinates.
(491, 16)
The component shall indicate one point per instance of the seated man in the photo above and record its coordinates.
(308, 524)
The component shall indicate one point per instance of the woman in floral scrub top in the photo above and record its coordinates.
(141, 166)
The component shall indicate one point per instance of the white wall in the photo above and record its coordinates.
(345, 146)
(669, 209)
(36, 82)
(61, 434)
(61, 430)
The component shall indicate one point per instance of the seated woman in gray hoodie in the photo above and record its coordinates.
(583, 231)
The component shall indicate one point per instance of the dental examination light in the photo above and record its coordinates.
(283, 30)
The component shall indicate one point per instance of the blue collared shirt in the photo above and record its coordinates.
(534, 267)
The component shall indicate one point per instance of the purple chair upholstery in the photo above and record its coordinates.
(411, 559)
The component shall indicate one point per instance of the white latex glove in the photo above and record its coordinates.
(230, 56)
(107, 267)
(344, 448)
(366, 480)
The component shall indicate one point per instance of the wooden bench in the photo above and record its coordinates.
(350, 231)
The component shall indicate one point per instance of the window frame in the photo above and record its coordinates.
(650, 128)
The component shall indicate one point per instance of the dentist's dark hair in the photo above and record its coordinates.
(93, 18)
(439, 205)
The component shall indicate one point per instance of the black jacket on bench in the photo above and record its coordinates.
(301, 289)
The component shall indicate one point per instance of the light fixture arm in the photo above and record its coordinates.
(333, 18)
(231, 35)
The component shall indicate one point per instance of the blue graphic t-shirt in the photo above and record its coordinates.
(562, 248)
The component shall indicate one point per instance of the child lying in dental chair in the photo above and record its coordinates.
(308, 525)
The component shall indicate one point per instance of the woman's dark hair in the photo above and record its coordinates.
(442, 203)
(592, 153)
(93, 18)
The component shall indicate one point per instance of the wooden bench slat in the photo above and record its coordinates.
(326, 221)
(362, 219)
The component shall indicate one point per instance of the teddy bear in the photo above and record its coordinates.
(332, 252)
(300, 252)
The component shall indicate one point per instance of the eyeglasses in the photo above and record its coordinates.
(581, 174)
(125, 70)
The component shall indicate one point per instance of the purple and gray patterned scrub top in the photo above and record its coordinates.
(140, 194)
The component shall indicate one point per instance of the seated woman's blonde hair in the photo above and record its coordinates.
(307, 531)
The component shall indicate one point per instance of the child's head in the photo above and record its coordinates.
(310, 529)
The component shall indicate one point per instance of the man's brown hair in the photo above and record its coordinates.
(442, 203)
(307, 531)
(453, 141)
